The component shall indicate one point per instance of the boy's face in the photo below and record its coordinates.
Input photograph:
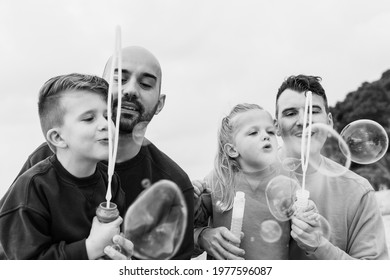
(255, 139)
(85, 127)
(291, 108)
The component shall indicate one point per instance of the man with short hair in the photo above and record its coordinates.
(346, 201)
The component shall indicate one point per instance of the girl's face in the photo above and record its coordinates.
(254, 140)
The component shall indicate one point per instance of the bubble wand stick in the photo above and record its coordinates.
(112, 151)
(302, 194)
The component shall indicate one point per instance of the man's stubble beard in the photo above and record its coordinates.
(127, 124)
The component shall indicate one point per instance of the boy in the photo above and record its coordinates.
(48, 213)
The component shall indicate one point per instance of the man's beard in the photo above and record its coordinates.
(129, 121)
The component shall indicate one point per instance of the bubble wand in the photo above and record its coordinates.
(113, 141)
(302, 194)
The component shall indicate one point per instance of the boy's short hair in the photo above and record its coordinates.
(51, 112)
(303, 83)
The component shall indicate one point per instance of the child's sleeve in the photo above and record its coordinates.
(26, 229)
(202, 215)
(22, 238)
(204, 211)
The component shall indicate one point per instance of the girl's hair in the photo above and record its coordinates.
(226, 168)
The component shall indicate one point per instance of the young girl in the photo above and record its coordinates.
(246, 161)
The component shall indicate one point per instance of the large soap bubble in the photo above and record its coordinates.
(367, 140)
(156, 221)
(322, 229)
(334, 148)
(281, 195)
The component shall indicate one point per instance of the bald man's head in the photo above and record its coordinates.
(141, 87)
(136, 56)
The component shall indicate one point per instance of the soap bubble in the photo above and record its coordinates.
(270, 231)
(324, 227)
(156, 221)
(220, 206)
(319, 222)
(138, 133)
(321, 228)
(280, 195)
(145, 183)
(288, 163)
(291, 164)
(334, 148)
(367, 140)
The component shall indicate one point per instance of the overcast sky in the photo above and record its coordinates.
(214, 54)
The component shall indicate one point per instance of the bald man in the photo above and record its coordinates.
(137, 158)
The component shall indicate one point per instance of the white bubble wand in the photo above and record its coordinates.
(113, 141)
(302, 194)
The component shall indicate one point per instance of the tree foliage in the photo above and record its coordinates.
(369, 101)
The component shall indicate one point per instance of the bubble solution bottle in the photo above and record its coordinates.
(302, 198)
(238, 214)
(107, 215)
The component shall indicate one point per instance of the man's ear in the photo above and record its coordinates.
(54, 137)
(276, 124)
(230, 150)
(161, 103)
(330, 119)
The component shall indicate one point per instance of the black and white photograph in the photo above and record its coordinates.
(195, 131)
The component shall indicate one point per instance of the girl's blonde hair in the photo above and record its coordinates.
(226, 168)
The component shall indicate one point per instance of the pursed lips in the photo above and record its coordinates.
(267, 145)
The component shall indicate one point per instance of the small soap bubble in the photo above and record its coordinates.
(146, 183)
(221, 207)
(325, 227)
(280, 195)
(291, 164)
(367, 141)
(288, 163)
(270, 231)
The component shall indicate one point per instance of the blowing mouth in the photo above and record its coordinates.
(267, 146)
